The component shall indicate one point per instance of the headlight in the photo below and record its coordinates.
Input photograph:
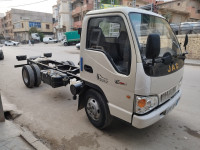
(145, 104)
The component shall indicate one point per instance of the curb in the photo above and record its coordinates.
(192, 64)
(35, 143)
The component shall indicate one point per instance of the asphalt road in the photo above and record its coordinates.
(52, 114)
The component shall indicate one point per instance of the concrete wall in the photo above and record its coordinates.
(193, 46)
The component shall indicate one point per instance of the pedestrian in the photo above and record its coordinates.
(33, 42)
(29, 42)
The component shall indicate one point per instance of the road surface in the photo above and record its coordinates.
(52, 114)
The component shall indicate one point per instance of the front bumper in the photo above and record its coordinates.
(157, 114)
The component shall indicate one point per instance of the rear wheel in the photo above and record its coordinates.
(65, 44)
(71, 63)
(36, 71)
(1, 56)
(97, 109)
(28, 76)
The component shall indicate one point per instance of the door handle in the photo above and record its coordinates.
(88, 68)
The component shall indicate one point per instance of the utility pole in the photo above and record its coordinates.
(134, 3)
(112, 3)
(95, 5)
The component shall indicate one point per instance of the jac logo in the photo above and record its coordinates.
(101, 78)
(173, 67)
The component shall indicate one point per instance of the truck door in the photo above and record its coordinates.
(108, 61)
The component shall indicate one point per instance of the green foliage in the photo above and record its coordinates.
(41, 36)
(116, 2)
(33, 30)
(1, 37)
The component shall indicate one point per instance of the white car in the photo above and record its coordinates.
(11, 43)
(47, 40)
(78, 46)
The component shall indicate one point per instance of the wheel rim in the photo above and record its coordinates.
(93, 109)
(25, 76)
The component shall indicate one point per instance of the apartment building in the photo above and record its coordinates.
(17, 23)
(62, 19)
(178, 11)
(81, 7)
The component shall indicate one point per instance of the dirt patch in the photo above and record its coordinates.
(192, 132)
(81, 140)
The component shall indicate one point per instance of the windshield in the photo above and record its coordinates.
(144, 25)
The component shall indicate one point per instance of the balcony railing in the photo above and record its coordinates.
(77, 24)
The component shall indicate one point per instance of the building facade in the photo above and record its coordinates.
(178, 11)
(81, 7)
(62, 19)
(17, 23)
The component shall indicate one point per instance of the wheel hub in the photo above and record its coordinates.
(93, 109)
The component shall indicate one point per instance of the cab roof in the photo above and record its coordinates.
(125, 10)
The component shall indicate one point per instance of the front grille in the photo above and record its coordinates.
(167, 95)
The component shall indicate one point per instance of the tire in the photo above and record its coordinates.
(71, 63)
(65, 44)
(5, 44)
(1, 56)
(97, 109)
(36, 71)
(14, 44)
(28, 76)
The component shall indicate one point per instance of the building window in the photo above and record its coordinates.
(198, 11)
(22, 25)
(47, 26)
(179, 4)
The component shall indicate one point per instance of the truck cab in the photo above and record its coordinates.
(131, 64)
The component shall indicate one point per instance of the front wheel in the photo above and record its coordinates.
(97, 109)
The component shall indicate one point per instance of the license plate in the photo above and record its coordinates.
(167, 95)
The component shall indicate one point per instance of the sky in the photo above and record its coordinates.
(33, 5)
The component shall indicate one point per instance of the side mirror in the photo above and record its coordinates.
(79, 31)
(186, 41)
(153, 46)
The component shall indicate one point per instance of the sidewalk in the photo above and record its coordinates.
(12, 136)
(194, 62)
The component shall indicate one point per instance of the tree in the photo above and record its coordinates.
(33, 30)
(41, 36)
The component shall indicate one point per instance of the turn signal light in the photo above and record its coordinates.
(142, 103)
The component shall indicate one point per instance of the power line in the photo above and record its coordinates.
(27, 4)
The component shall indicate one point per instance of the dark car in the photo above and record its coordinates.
(175, 28)
(186, 28)
(196, 27)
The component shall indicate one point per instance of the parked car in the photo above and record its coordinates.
(11, 43)
(1, 54)
(195, 27)
(78, 46)
(47, 40)
(186, 28)
(175, 28)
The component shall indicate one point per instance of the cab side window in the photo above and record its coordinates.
(109, 35)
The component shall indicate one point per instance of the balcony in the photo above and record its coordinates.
(76, 11)
(87, 7)
(84, 8)
(77, 24)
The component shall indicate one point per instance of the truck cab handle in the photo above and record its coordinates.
(88, 68)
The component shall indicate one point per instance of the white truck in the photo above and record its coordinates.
(131, 67)
(35, 36)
